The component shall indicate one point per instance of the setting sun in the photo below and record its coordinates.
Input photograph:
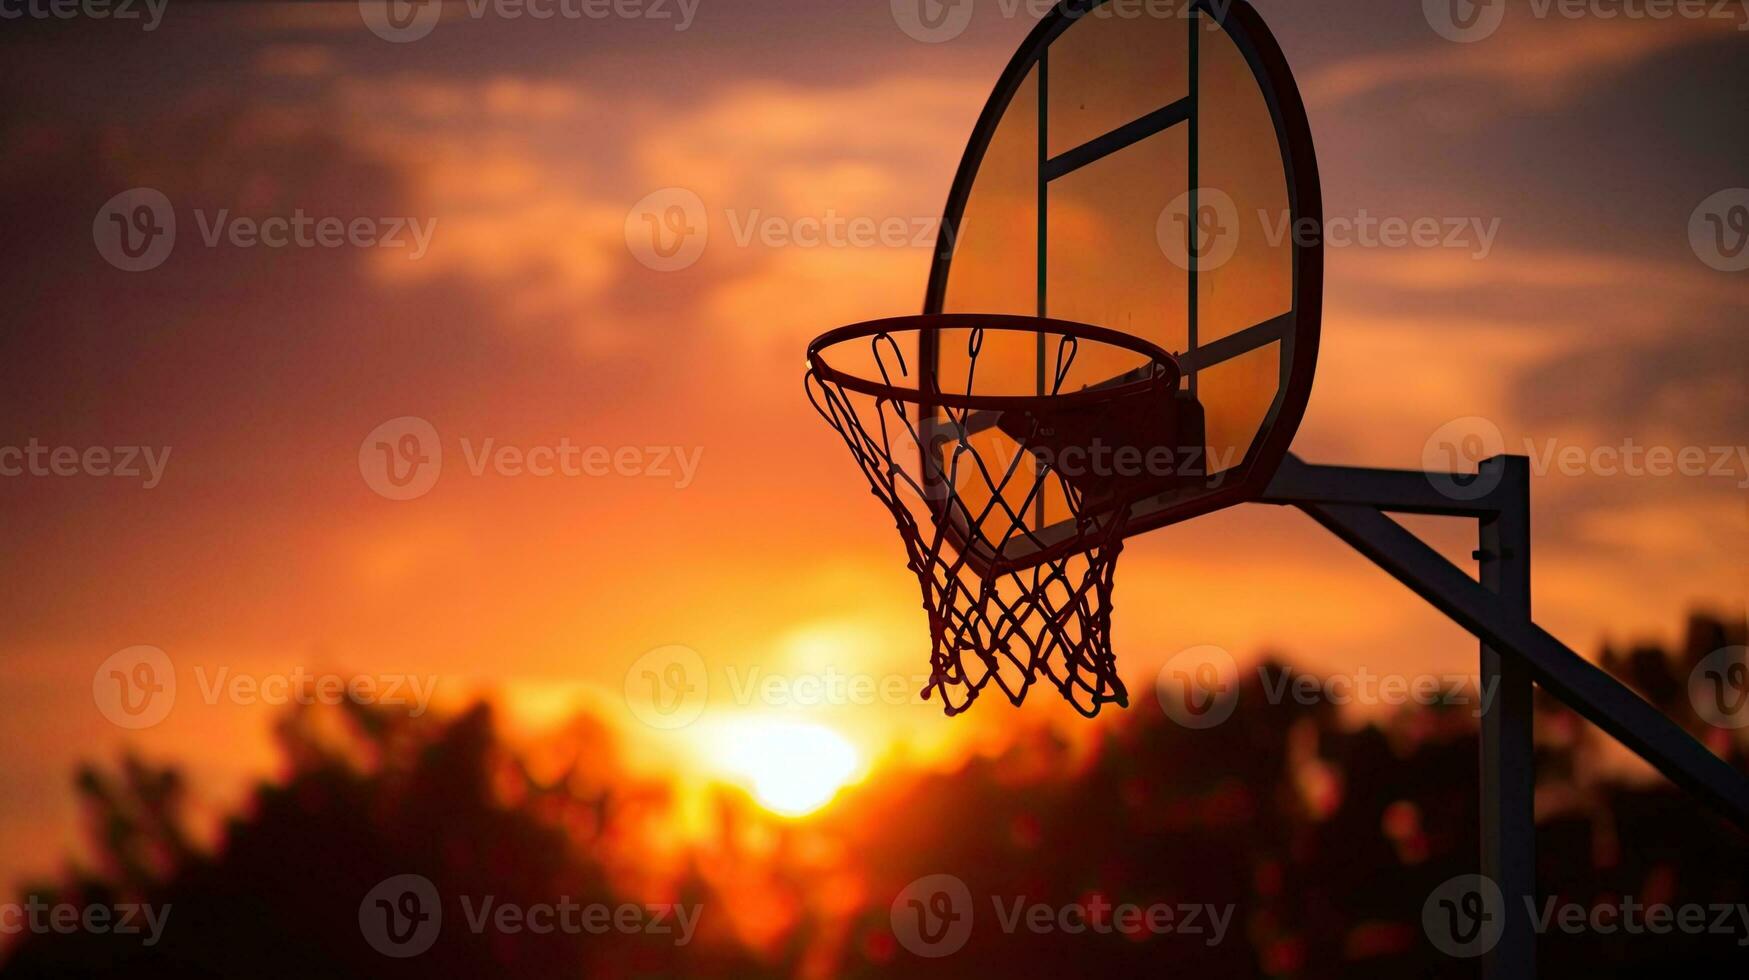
(792, 768)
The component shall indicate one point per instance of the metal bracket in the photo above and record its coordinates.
(1352, 503)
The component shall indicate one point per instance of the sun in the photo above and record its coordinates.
(792, 768)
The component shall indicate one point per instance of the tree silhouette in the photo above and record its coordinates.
(1323, 835)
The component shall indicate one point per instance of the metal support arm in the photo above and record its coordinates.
(1578, 683)
(1351, 503)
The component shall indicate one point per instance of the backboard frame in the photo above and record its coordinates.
(1269, 66)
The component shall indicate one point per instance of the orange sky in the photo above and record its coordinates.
(1590, 322)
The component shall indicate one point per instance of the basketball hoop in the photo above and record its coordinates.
(1097, 126)
(1013, 517)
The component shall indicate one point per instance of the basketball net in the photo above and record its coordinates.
(996, 620)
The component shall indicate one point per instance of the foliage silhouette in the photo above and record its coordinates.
(1324, 835)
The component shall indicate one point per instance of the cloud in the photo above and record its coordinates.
(881, 153)
(532, 190)
(1685, 381)
(1435, 270)
(345, 17)
(296, 61)
(523, 209)
(1540, 63)
(797, 294)
(299, 17)
(408, 104)
(877, 146)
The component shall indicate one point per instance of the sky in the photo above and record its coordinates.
(1590, 319)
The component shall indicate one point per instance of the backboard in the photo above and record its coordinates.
(1146, 168)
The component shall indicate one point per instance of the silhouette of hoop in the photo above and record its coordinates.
(1006, 602)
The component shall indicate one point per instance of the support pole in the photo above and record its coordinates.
(1576, 682)
(1517, 656)
(1508, 753)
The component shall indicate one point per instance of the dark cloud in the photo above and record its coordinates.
(1689, 381)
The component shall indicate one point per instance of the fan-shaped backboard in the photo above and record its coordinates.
(1149, 168)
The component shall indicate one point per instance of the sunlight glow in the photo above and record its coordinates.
(792, 768)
